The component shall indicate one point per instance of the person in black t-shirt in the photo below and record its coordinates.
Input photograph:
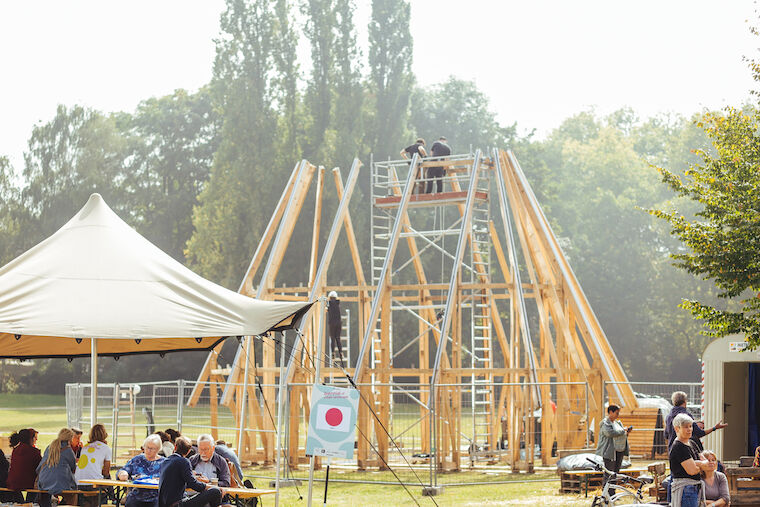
(440, 149)
(418, 148)
(334, 323)
(685, 464)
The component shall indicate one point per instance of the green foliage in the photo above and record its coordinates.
(390, 76)
(175, 138)
(458, 110)
(721, 241)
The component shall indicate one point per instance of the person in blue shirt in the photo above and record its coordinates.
(223, 450)
(176, 476)
(145, 465)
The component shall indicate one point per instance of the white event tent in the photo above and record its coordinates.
(96, 287)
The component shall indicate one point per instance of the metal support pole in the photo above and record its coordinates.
(180, 402)
(243, 397)
(93, 381)
(317, 379)
(115, 418)
(587, 417)
(280, 408)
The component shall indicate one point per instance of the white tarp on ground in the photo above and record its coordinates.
(96, 277)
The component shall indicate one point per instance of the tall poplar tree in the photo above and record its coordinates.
(235, 205)
(390, 75)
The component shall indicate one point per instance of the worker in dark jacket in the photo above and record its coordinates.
(441, 150)
(177, 476)
(678, 399)
(334, 324)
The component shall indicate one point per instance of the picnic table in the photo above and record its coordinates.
(575, 481)
(121, 487)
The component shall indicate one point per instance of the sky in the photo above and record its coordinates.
(538, 61)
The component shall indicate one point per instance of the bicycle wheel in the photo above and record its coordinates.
(624, 497)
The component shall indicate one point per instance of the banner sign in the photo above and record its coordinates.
(737, 346)
(332, 423)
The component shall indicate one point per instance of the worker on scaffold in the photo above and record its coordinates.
(334, 324)
(440, 149)
(418, 148)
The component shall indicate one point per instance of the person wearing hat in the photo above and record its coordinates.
(334, 323)
(435, 175)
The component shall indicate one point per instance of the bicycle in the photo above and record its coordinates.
(614, 493)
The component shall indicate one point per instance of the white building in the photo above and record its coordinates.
(731, 392)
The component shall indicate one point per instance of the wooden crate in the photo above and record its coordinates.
(743, 485)
(647, 430)
(571, 482)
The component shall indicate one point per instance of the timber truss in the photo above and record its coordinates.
(477, 264)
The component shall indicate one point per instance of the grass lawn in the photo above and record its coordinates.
(519, 493)
(46, 413)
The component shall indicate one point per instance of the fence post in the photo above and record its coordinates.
(588, 421)
(115, 419)
(180, 402)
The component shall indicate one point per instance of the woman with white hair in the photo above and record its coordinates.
(145, 465)
(685, 465)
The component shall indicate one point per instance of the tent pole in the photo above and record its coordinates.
(93, 381)
(281, 406)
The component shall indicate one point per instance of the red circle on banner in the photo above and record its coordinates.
(334, 417)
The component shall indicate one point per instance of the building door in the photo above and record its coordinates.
(735, 411)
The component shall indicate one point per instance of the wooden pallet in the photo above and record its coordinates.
(581, 481)
(647, 429)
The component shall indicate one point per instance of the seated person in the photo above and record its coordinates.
(208, 465)
(227, 453)
(76, 442)
(95, 457)
(167, 446)
(176, 476)
(715, 483)
(56, 470)
(24, 460)
(147, 464)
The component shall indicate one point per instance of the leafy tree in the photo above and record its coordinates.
(461, 112)
(319, 100)
(80, 151)
(244, 180)
(720, 243)
(390, 76)
(12, 214)
(175, 138)
(349, 114)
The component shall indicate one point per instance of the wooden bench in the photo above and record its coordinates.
(743, 485)
(93, 493)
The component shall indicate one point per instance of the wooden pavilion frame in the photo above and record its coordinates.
(489, 370)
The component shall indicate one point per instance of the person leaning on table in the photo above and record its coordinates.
(147, 464)
(177, 476)
(686, 463)
(613, 440)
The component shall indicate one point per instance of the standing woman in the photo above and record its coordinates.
(24, 460)
(95, 458)
(716, 484)
(686, 488)
(56, 470)
(613, 440)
